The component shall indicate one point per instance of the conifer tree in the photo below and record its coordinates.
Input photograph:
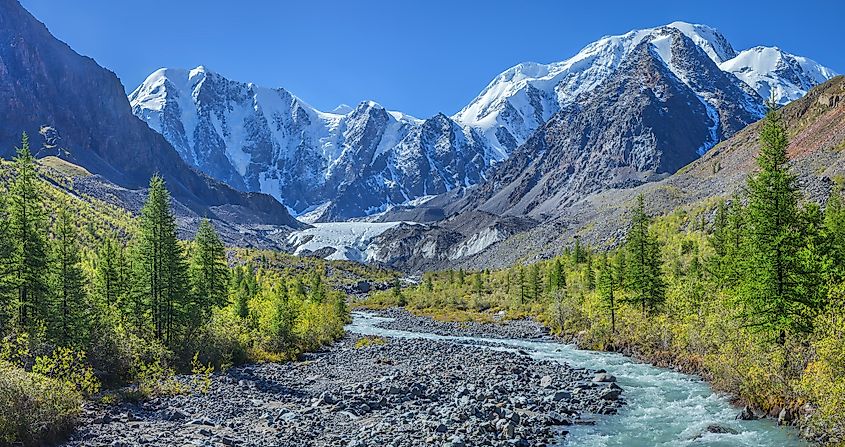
(243, 287)
(110, 272)
(162, 279)
(283, 318)
(589, 274)
(68, 322)
(27, 233)
(772, 288)
(644, 263)
(208, 271)
(557, 276)
(534, 281)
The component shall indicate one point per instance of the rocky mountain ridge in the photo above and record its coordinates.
(82, 112)
(332, 166)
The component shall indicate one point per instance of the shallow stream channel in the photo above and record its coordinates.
(663, 407)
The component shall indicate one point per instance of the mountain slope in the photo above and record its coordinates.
(524, 97)
(664, 106)
(268, 140)
(816, 128)
(82, 111)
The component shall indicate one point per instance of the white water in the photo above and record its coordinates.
(663, 407)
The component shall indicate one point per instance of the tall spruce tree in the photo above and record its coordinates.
(27, 233)
(208, 271)
(644, 262)
(161, 271)
(773, 296)
(69, 316)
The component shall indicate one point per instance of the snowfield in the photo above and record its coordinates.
(350, 240)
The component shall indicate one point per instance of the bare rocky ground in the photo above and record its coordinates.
(405, 392)
(522, 328)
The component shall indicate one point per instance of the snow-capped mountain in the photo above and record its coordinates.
(520, 100)
(331, 165)
(773, 72)
(354, 162)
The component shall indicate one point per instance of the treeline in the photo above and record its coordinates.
(131, 306)
(747, 292)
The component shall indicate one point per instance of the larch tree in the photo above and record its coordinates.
(644, 262)
(69, 315)
(772, 293)
(208, 271)
(27, 235)
(161, 271)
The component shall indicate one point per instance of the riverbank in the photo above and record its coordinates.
(663, 406)
(380, 391)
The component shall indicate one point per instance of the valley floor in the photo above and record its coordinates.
(373, 391)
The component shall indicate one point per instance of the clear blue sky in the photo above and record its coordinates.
(420, 57)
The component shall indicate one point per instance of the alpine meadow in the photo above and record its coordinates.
(642, 244)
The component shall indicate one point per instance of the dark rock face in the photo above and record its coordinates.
(43, 82)
(643, 123)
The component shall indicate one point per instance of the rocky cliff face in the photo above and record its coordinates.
(666, 105)
(81, 108)
(333, 165)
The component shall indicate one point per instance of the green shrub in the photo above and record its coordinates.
(35, 409)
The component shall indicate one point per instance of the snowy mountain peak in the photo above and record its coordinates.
(525, 96)
(344, 164)
(775, 73)
(341, 109)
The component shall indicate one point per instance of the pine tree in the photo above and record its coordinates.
(68, 322)
(644, 263)
(162, 278)
(27, 233)
(607, 284)
(208, 271)
(772, 293)
(520, 277)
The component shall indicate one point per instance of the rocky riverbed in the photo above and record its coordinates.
(520, 329)
(390, 392)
